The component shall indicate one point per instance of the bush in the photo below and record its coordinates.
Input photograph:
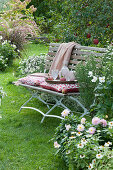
(84, 144)
(32, 64)
(86, 86)
(17, 24)
(7, 54)
(103, 102)
(86, 21)
(88, 75)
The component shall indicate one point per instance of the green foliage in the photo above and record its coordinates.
(7, 54)
(17, 24)
(80, 147)
(32, 64)
(72, 21)
(86, 86)
(103, 103)
(88, 76)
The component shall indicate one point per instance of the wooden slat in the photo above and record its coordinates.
(48, 62)
(74, 56)
(74, 62)
(92, 48)
(88, 53)
(51, 53)
(49, 58)
(53, 49)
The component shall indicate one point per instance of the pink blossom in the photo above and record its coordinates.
(83, 120)
(95, 121)
(103, 122)
(92, 130)
(80, 127)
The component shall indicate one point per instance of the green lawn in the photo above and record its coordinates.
(24, 141)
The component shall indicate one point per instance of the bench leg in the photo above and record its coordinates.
(58, 103)
(80, 104)
(25, 103)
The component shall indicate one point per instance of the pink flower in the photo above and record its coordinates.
(92, 130)
(103, 122)
(95, 121)
(80, 127)
(83, 120)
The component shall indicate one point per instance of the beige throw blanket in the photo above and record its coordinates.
(62, 56)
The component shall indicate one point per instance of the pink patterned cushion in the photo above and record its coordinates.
(32, 80)
(40, 81)
(60, 87)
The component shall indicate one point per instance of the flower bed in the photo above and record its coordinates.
(84, 144)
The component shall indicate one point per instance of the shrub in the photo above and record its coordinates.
(103, 102)
(86, 86)
(32, 64)
(7, 54)
(88, 75)
(84, 144)
(17, 24)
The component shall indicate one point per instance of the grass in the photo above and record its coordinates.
(25, 142)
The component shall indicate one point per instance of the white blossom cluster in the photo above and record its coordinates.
(32, 64)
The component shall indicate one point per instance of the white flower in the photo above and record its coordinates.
(80, 127)
(18, 50)
(102, 79)
(0, 116)
(90, 166)
(94, 79)
(14, 46)
(73, 133)
(72, 137)
(83, 141)
(99, 156)
(68, 127)
(1, 37)
(93, 161)
(108, 143)
(83, 120)
(78, 133)
(80, 145)
(68, 152)
(110, 127)
(88, 135)
(90, 73)
(82, 156)
(65, 112)
(101, 147)
(110, 123)
(56, 145)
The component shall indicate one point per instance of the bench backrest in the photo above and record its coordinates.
(79, 53)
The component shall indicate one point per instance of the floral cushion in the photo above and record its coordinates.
(65, 88)
(32, 80)
(40, 81)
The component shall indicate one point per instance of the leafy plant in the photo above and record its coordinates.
(84, 144)
(86, 86)
(32, 64)
(17, 24)
(7, 54)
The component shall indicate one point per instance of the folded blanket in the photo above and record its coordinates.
(62, 56)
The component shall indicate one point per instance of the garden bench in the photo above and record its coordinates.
(78, 54)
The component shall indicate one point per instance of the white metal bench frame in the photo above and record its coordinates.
(78, 54)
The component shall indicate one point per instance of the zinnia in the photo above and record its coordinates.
(83, 120)
(80, 127)
(95, 121)
(104, 122)
(92, 130)
(65, 112)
